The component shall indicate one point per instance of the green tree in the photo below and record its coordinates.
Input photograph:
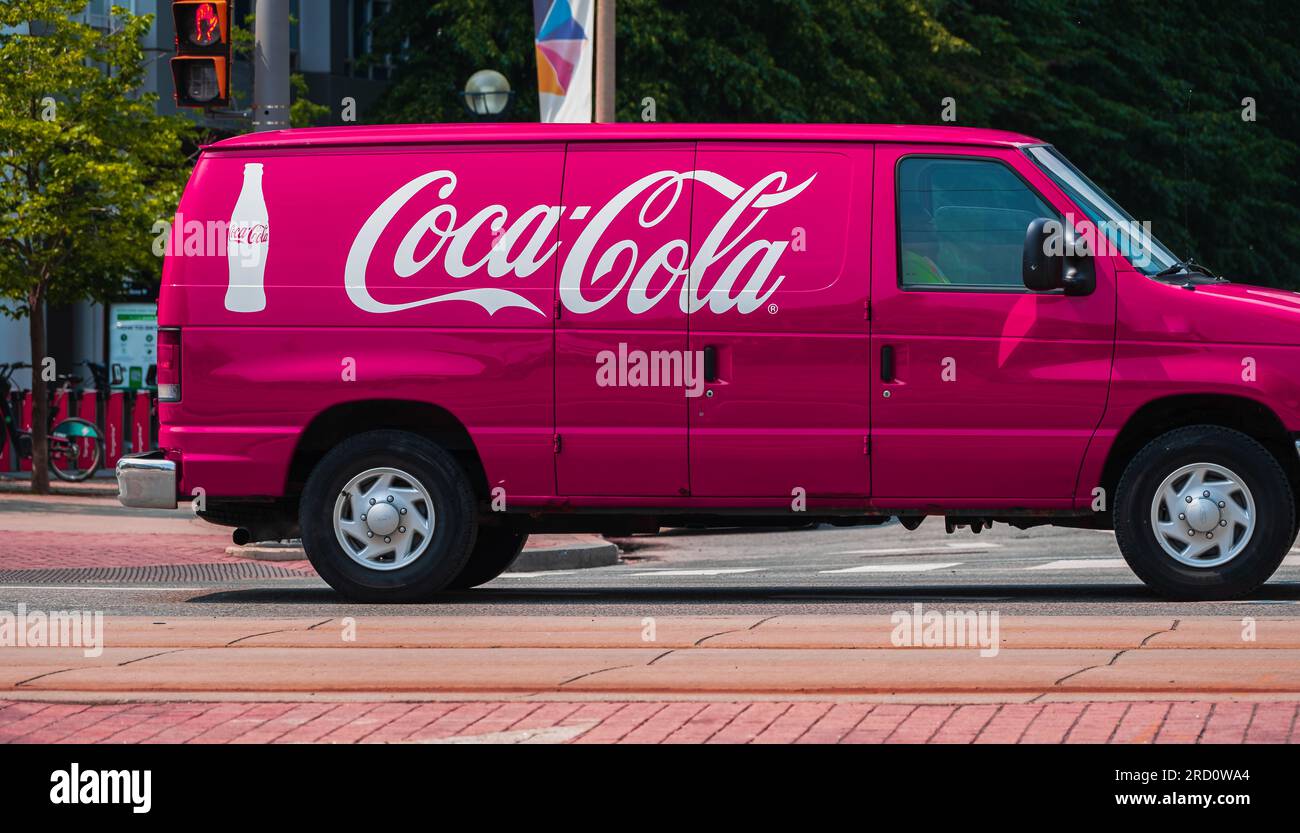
(1147, 99)
(1149, 102)
(725, 60)
(86, 169)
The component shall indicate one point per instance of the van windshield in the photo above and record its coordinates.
(1132, 239)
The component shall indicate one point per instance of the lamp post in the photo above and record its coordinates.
(487, 94)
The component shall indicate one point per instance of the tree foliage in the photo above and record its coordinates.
(1147, 99)
(86, 167)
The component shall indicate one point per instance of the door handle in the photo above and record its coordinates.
(887, 363)
(710, 363)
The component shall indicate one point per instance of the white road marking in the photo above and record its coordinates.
(1082, 564)
(952, 547)
(696, 572)
(539, 574)
(1291, 560)
(894, 568)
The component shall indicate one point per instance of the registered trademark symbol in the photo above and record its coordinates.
(772, 308)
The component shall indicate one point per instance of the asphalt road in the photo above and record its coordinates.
(1043, 571)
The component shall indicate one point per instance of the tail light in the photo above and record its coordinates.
(169, 364)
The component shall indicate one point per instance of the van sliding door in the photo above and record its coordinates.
(620, 413)
(780, 286)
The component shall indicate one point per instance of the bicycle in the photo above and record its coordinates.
(75, 445)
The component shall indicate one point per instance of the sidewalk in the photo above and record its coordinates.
(781, 658)
(537, 679)
(649, 722)
(90, 532)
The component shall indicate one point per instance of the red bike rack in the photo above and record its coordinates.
(142, 422)
(7, 453)
(114, 427)
(25, 424)
(88, 409)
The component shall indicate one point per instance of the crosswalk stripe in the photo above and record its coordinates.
(894, 568)
(1081, 564)
(695, 572)
(946, 548)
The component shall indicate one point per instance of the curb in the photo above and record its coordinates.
(598, 553)
(269, 551)
(578, 556)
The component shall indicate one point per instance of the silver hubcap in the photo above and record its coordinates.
(1203, 515)
(384, 519)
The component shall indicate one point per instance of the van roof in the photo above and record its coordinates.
(408, 134)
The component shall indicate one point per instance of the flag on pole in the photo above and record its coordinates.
(563, 35)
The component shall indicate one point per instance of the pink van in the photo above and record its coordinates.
(415, 345)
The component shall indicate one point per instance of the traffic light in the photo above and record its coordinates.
(201, 68)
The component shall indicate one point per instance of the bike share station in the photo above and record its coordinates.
(119, 401)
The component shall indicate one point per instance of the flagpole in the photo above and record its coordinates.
(605, 61)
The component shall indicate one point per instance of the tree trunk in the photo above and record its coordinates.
(40, 400)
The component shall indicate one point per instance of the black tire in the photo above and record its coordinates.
(68, 432)
(1275, 511)
(495, 550)
(452, 501)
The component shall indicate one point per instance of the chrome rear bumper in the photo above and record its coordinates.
(146, 481)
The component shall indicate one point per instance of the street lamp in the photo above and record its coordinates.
(487, 94)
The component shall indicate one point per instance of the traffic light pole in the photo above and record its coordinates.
(271, 65)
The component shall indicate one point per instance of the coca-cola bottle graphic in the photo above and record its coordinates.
(247, 241)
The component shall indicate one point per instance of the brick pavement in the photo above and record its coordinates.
(650, 722)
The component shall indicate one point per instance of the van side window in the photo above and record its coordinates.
(961, 223)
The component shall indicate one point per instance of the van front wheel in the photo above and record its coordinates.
(387, 516)
(1204, 513)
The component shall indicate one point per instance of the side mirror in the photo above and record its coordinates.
(1054, 258)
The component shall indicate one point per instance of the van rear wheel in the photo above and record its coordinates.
(1204, 513)
(388, 516)
(495, 549)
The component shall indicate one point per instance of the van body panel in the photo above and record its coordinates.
(355, 280)
(1222, 340)
(788, 414)
(996, 390)
(625, 247)
(235, 443)
(426, 264)
(399, 135)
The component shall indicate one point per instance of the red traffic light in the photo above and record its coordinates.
(201, 68)
(202, 26)
(205, 28)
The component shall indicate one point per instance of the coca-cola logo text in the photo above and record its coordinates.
(250, 234)
(739, 270)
